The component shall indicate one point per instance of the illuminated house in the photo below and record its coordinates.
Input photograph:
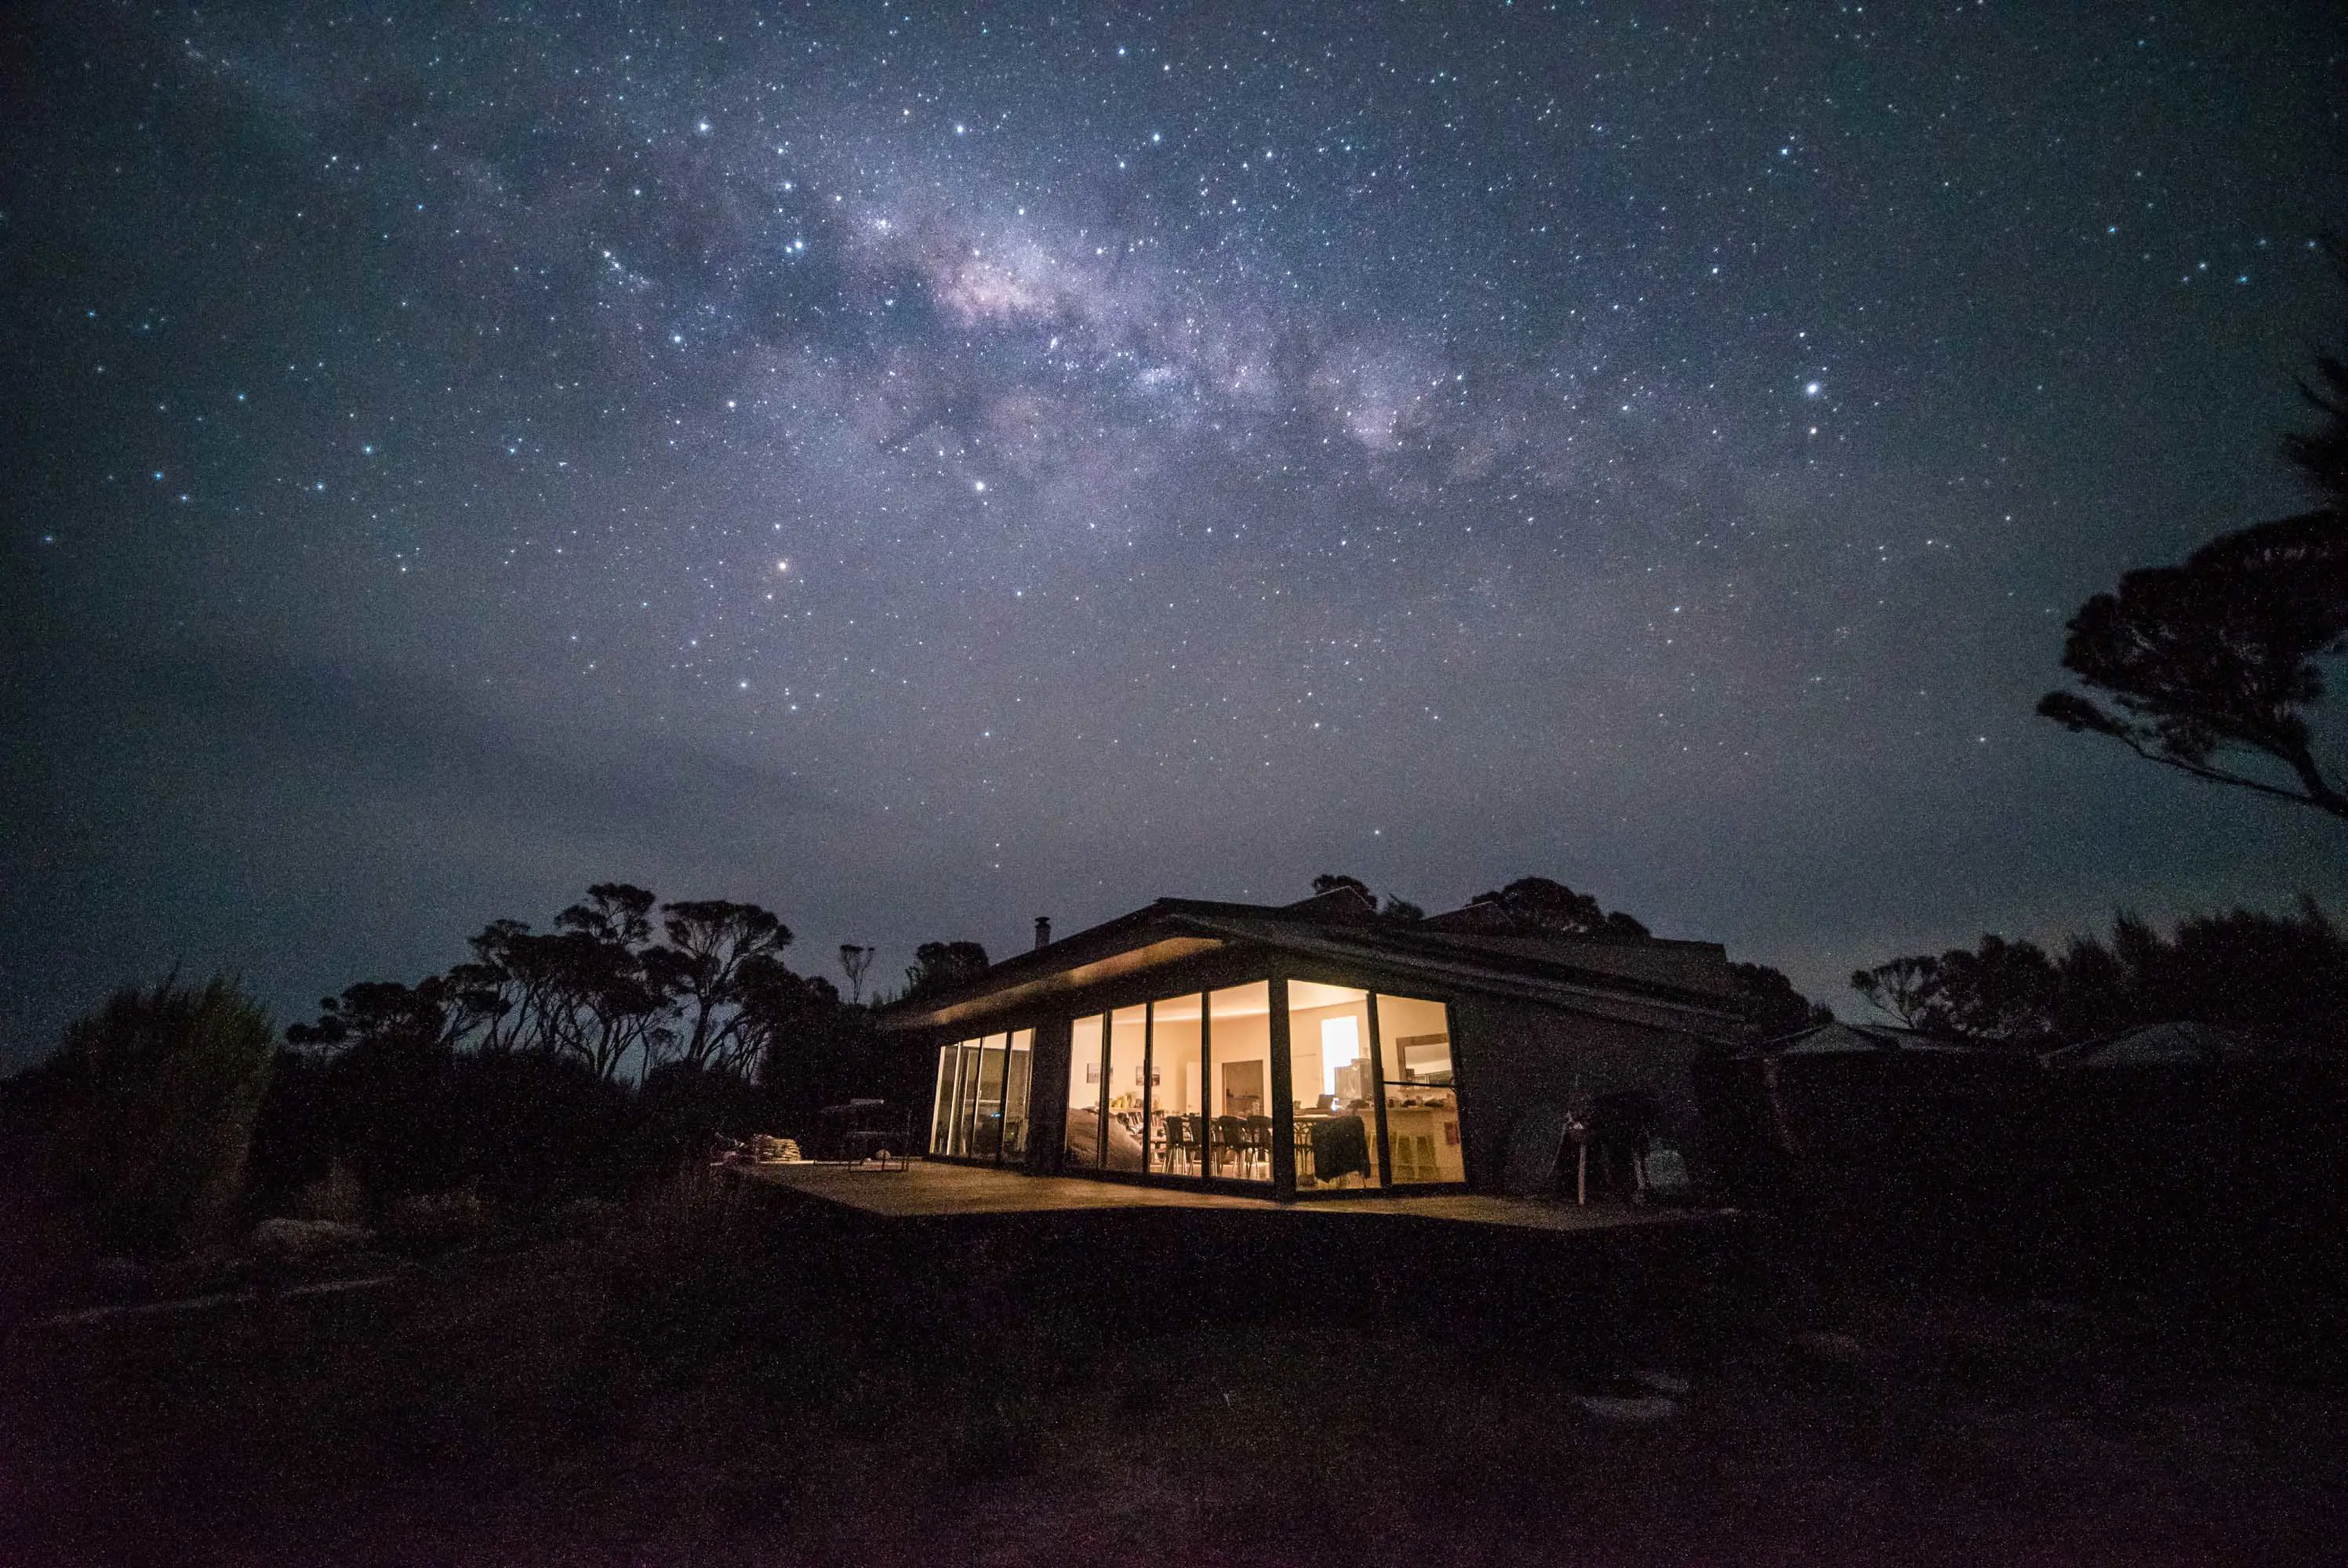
(1308, 1048)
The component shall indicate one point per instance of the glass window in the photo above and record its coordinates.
(1082, 1149)
(1177, 1093)
(1014, 1095)
(1422, 1101)
(1128, 1038)
(1332, 1084)
(966, 1101)
(986, 1128)
(941, 1114)
(1239, 1111)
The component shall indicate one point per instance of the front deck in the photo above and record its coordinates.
(932, 1190)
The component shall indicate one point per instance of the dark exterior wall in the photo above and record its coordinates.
(1516, 1054)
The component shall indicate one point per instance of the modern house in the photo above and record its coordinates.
(1310, 1049)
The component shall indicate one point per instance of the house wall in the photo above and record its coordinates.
(1515, 1054)
(1509, 1054)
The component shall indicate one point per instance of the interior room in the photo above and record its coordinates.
(1182, 1086)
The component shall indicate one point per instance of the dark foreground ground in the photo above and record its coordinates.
(707, 1378)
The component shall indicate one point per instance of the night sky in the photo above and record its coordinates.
(921, 469)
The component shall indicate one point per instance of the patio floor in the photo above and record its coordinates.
(929, 1190)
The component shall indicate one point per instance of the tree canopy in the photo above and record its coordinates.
(939, 967)
(1543, 905)
(2214, 667)
(2280, 975)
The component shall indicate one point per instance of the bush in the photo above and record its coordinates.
(151, 1119)
(433, 1222)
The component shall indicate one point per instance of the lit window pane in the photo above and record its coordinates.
(966, 1112)
(1014, 1095)
(1332, 1086)
(1083, 1145)
(1422, 1101)
(1177, 1094)
(1239, 1123)
(1123, 1127)
(987, 1128)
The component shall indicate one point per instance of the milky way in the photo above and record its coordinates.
(924, 469)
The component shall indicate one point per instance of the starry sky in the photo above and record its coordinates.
(922, 468)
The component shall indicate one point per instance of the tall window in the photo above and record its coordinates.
(1082, 1150)
(1421, 1097)
(1177, 1092)
(1239, 1105)
(981, 1097)
(1014, 1095)
(1333, 1085)
(986, 1121)
(966, 1095)
(1127, 1051)
(941, 1115)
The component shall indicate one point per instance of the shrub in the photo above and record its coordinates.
(155, 1099)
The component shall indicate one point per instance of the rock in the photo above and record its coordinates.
(291, 1238)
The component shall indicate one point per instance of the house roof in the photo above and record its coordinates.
(1841, 1039)
(2176, 1043)
(1683, 985)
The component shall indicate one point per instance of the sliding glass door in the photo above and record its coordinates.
(980, 1111)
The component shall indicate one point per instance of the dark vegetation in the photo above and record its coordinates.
(697, 1378)
(1967, 1318)
(2280, 976)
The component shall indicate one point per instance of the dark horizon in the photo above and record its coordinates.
(1653, 450)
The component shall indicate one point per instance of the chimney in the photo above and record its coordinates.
(1043, 930)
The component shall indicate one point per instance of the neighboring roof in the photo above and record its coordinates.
(2178, 1043)
(1677, 984)
(1839, 1039)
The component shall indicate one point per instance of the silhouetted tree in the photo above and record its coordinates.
(2280, 976)
(1771, 1005)
(939, 967)
(384, 1013)
(607, 1002)
(2214, 664)
(1542, 904)
(853, 962)
(713, 947)
(1901, 989)
(801, 1032)
(1400, 909)
(2211, 668)
(2000, 991)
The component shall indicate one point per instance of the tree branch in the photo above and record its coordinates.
(2321, 798)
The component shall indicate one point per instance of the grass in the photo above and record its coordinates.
(701, 1378)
